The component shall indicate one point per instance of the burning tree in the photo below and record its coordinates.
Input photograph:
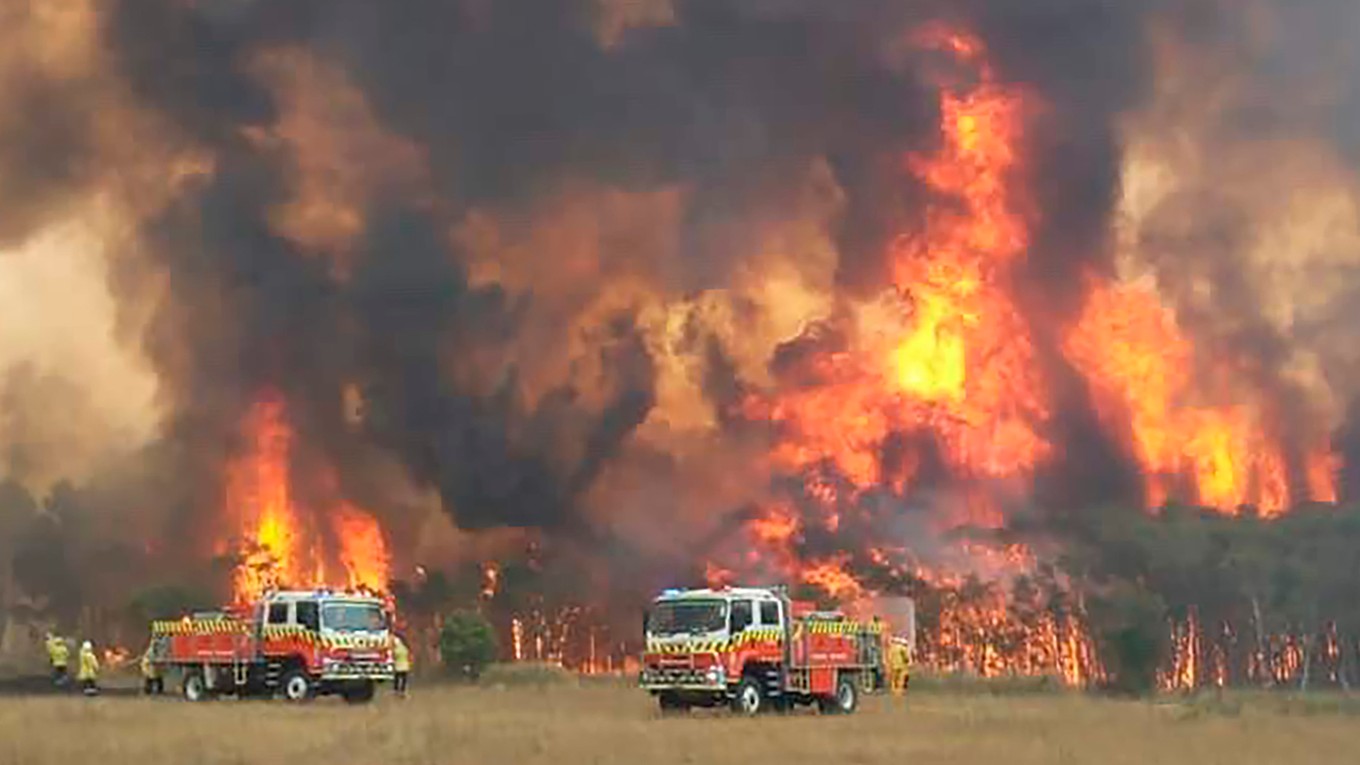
(1223, 601)
(335, 544)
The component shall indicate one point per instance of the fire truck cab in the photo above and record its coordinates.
(756, 649)
(298, 644)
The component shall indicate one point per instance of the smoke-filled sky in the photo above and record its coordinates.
(523, 261)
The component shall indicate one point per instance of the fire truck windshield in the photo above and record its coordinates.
(674, 617)
(352, 617)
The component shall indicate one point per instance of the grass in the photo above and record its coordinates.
(564, 722)
(971, 685)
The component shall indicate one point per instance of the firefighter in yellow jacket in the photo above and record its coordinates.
(152, 681)
(59, 656)
(401, 665)
(899, 665)
(89, 670)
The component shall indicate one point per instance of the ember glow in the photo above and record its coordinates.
(985, 632)
(1206, 655)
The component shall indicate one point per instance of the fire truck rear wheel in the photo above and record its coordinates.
(195, 686)
(750, 697)
(844, 701)
(297, 686)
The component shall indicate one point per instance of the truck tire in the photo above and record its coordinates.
(195, 686)
(297, 686)
(361, 693)
(750, 697)
(672, 704)
(844, 701)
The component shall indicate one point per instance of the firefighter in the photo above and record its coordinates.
(899, 665)
(153, 684)
(89, 670)
(59, 656)
(401, 665)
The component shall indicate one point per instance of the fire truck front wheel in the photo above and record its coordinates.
(359, 693)
(672, 703)
(195, 686)
(297, 686)
(750, 697)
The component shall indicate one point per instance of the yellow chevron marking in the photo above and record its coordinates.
(842, 628)
(762, 635)
(746, 638)
(271, 631)
(199, 626)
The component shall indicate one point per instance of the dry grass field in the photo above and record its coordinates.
(604, 723)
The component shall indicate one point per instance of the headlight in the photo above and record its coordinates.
(715, 675)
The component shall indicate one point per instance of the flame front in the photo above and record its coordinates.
(363, 549)
(946, 352)
(258, 496)
(946, 359)
(966, 367)
(1141, 369)
(943, 362)
(942, 373)
(282, 544)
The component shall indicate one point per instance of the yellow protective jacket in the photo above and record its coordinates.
(401, 656)
(89, 665)
(899, 658)
(57, 652)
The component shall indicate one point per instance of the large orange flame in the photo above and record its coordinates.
(956, 360)
(283, 546)
(1141, 369)
(946, 362)
(944, 357)
(957, 363)
(258, 497)
(363, 549)
(966, 365)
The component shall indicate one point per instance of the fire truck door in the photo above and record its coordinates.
(742, 616)
(771, 618)
(275, 616)
(278, 614)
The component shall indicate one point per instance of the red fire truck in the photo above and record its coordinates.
(756, 649)
(298, 644)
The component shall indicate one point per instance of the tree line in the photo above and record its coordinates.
(1271, 601)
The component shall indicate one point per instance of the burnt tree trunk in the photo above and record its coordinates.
(1343, 668)
(1261, 659)
(1307, 662)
